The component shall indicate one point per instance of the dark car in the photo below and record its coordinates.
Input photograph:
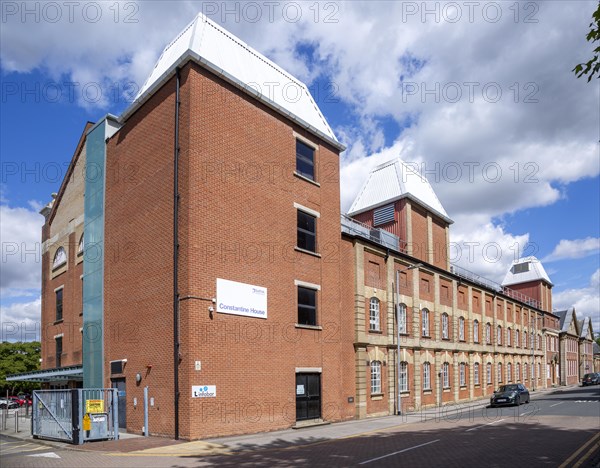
(512, 394)
(591, 379)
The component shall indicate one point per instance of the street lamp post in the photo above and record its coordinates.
(417, 265)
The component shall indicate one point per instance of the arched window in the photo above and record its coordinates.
(461, 329)
(499, 372)
(404, 377)
(426, 376)
(80, 246)
(508, 337)
(488, 333)
(462, 374)
(374, 321)
(518, 376)
(375, 377)
(488, 374)
(524, 371)
(524, 339)
(402, 319)
(425, 322)
(509, 372)
(517, 338)
(475, 331)
(60, 257)
(476, 373)
(446, 374)
(499, 335)
(445, 332)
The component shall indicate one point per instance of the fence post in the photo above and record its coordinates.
(146, 431)
(115, 412)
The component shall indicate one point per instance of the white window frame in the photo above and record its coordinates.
(476, 331)
(499, 335)
(462, 375)
(508, 337)
(402, 328)
(445, 334)
(375, 377)
(425, 322)
(374, 314)
(60, 257)
(509, 372)
(461, 329)
(488, 333)
(403, 380)
(446, 375)
(476, 373)
(499, 372)
(488, 373)
(426, 376)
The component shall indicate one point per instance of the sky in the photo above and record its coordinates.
(479, 96)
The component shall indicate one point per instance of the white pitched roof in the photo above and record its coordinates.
(394, 180)
(216, 49)
(529, 269)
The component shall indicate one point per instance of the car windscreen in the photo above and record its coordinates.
(508, 388)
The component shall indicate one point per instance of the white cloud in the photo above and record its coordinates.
(21, 321)
(571, 249)
(21, 232)
(585, 300)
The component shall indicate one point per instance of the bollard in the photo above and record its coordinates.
(16, 421)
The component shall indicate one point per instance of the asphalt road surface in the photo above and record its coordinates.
(559, 429)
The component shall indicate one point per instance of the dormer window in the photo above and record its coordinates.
(520, 268)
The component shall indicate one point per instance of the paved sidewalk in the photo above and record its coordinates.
(139, 445)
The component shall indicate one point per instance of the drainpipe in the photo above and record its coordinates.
(176, 260)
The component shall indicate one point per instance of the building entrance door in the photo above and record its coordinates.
(308, 396)
(119, 384)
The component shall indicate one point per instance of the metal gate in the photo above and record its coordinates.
(75, 415)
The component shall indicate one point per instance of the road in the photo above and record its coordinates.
(556, 430)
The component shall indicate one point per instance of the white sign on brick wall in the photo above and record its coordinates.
(241, 299)
(204, 391)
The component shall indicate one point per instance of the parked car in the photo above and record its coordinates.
(512, 394)
(591, 379)
(10, 404)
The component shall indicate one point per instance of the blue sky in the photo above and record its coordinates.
(369, 69)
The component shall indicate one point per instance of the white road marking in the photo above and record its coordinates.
(45, 455)
(399, 451)
(556, 404)
(527, 412)
(478, 427)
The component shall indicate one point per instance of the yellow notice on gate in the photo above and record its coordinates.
(94, 406)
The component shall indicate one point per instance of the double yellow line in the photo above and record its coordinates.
(581, 449)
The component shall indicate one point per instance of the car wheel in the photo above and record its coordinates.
(518, 401)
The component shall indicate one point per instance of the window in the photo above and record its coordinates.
(531, 339)
(547, 371)
(539, 374)
(518, 375)
(517, 338)
(476, 373)
(499, 372)
(446, 374)
(499, 335)
(374, 314)
(60, 258)
(426, 376)
(375, 377)
(445, 326)
(59, 304)
(539, 342)
(307, 231)
(524, 339)
(307, 306)
(59, 350)
(425, 322)
(524, 371)
(404, 377)
(461, 329)
(402, 319)
(520, 268)
(476, 331)
(508, 337)
(80, 246)
(488, 333)
(305, 160)
(532, 369)
(488, 375)
(509, 372)
(462, 374)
